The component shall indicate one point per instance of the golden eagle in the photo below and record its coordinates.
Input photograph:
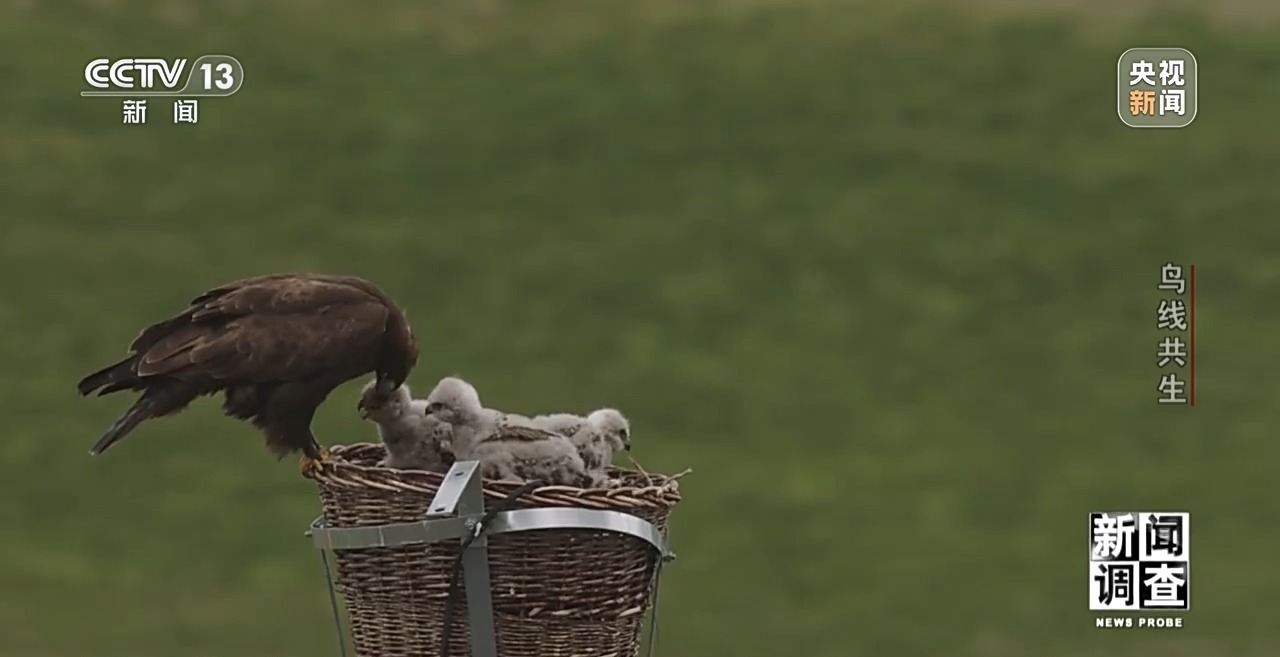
(275, 345)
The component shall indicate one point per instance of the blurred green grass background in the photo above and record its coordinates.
(882, 274)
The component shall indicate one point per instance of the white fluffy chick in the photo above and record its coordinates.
(516, 451)
(456, 403)
(507, 447)
(411, 438)
(604, 432)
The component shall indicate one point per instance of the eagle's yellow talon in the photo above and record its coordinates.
(308, 465)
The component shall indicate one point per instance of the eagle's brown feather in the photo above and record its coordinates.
(277, 345)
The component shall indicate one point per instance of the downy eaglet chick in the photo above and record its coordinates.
(507, 447)
(412, 439)
(520, 452)
(605, 432)
(456, 403)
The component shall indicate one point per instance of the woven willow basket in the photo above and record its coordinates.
(561, 592)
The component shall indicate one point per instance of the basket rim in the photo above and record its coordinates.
(344, 470)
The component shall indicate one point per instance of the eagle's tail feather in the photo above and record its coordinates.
(155, 402)
(142, 410)
(117, 387)
(112, 378)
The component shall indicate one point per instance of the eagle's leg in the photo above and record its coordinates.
(311, 464)
(313, 457)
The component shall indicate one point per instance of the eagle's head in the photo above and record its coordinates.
(399, 353)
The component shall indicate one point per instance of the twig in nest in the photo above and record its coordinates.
(681, 474)
(648, 478)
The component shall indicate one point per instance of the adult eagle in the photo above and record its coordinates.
(275, 345)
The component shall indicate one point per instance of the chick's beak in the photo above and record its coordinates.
(364, 412)
(626, 446)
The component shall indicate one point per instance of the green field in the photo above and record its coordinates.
(883, 277)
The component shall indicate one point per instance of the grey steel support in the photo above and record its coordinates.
(469, 502)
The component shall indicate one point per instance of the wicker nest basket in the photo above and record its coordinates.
(556, 592)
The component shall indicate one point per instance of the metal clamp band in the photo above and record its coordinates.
(443, 529)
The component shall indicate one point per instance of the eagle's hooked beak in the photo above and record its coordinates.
(364, 412)
(385, 386)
